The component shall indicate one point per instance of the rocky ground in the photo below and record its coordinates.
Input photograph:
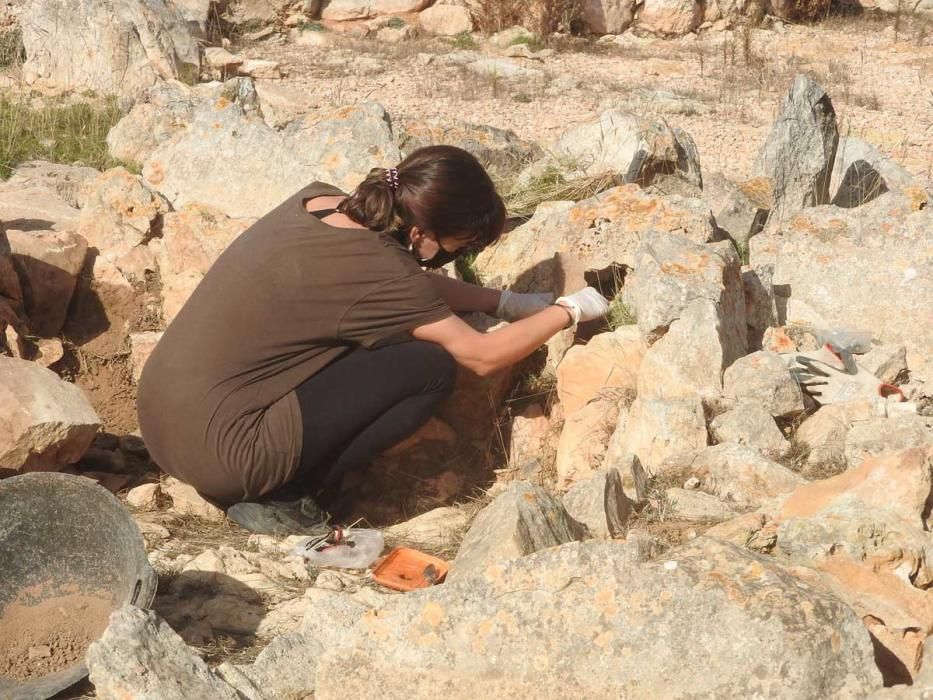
(649, 506)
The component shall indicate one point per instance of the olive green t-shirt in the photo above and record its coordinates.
(290, 295)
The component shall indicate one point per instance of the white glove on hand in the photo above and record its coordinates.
(585, 305)
(514, 306)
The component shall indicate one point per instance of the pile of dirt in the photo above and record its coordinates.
(51, 636)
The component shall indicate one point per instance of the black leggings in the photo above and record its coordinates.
(363, 404)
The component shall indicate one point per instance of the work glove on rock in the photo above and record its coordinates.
(585, 305)
(831, 378)
(514, 306)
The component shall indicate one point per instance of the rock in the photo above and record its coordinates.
(33, 199)
(825, 431)
(669, 17)
(284, 618)
(503, 68)
(584, 439)
(861, 174)
(742, 530)
(46, 422)
(284, 669)
(140, 656)
(752, 425)
(635, 148)
(135, 45)
(741, 209)
(437, 529)
(600, 504)
(798, 10)
(608, 361)
(532, 441)
(596, 233)
(655, 430)
(187, 501)
(311, 148)
(500, 150)
(48, 263)
(634, 478)
(281, 105)
(760, 308)
(344, 10)
(899, 481)
(141, 346)
(878, 436)
(879, 262)
(446, 20)
(521, 520)
(260, 69)
(192, 239)
(798, 154)
(763, 378)
(608, 16)
(145, 497)
(697, 506)
(720, 610)
(511, 37)
(221, 60)
(735, 473)
(887, 362)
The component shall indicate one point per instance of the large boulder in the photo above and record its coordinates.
(339, 148)
(861, 173)
(584, 438)
(585, 620)
(656, 430)
(691, 312)
(114, 47)
(597, 232)
(600, 504)
(637, 149)
(850, 267)
(881, 435)
(608, 16)
(45, 423)
(798, 155)
(446, 20)
(521, 520)
(764, 378)
(669, 17)
(750, 424)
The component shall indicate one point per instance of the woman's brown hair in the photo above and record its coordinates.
(441, 189)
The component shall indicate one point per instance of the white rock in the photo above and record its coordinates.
(608, 361)
(187, 501)
(145, 497)
(763, 378)
(436, 529)
(750, 424)
(655, 430)
(446, 20)
(683, 504)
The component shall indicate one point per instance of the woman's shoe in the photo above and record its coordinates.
(280, 518)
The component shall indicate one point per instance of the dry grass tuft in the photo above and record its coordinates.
(544, 17)
(552, 185)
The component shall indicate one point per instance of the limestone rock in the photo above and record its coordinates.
(446, 20)
(140, 656)
(281, 105)
(708, 613)
(187, 501)
(763, 378)
(669, 17)
(113, 47)
(674, 272)
(799, 152)
(531, 441)
(799, 11)
(584, 439)
(596, 232)
(608, 16)
(141, 346)
(500, 150)
(825, 431)
(284, 669)
(752, 425)
(608, 361)
(741, 208)
(48, 264)
(637, 149)
(600, 504)
(436, 529)
(761, 312)
(144, 497)
(879, 262)
(521, 520)
(879, 435)
(655, 430)
(735, 473)
(861, 174)
(340, 148)
(683, 504)
(887, 362)
(46, 422)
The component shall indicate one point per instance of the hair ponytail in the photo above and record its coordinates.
(442, 189)
(372, 204)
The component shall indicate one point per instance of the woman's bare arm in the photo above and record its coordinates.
(485, 353)
(463, 296)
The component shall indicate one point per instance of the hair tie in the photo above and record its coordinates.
(392, 178)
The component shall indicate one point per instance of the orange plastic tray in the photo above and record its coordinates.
(405, 569)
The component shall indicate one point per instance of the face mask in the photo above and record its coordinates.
(441, 259)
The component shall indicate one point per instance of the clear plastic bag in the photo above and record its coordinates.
(850, 340)
(342, 549)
